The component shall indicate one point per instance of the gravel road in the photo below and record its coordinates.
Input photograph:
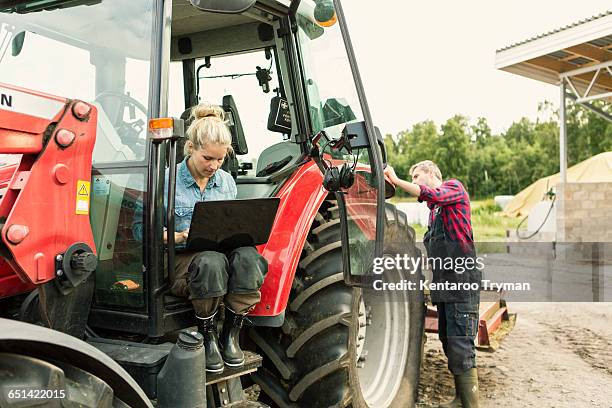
(557, 355)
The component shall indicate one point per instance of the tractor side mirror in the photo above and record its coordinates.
(381, 144)
(389, 190)
(371, 181)
(357, 135)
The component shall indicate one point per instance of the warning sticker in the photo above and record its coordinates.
(82, 197)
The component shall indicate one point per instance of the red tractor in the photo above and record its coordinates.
(85, 311)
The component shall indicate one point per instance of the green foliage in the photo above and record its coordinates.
(491, 164)
(485, 207)
(453, 147)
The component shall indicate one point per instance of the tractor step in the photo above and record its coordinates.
(252, 362)
(225, 389)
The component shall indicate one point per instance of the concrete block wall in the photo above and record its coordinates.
(584, 212)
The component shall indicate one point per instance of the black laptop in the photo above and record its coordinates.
(228, 224)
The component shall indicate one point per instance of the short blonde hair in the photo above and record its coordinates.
(208, 126)
(429, 167)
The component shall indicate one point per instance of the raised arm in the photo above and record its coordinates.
(447, 193)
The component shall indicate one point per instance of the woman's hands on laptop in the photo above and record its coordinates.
(179, 237)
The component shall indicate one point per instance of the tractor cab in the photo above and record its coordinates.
(281, 75)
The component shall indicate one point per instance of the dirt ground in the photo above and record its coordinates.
(557, 355)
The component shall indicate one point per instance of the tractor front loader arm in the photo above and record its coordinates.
(44, 204)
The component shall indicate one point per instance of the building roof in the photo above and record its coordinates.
(579, 50)
(577, 23)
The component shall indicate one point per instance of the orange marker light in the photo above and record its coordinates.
(161, 123)
(325, 13)
(161, 128)
(329, 22)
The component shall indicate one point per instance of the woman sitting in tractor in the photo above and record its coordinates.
(209, 277)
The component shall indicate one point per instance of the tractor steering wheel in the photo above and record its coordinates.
(132, 131)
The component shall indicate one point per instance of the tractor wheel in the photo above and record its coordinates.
(51, 383)
(343, 346)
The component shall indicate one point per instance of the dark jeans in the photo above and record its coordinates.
(208, 277)
(457, 330)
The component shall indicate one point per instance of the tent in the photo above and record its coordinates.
(596, 169)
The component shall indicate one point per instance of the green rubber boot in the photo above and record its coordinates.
(466, 391)
(456, 402)
(467, 384)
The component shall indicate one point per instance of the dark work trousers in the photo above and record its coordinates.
(210, 277)
(457, 310)
(457, 330)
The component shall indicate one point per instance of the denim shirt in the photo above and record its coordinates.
(221, 186)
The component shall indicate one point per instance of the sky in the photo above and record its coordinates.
(430, 60)
(418, 60)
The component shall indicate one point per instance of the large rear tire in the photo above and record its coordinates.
(343, 346)
(51, 383)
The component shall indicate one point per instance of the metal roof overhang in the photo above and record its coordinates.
(580, 53)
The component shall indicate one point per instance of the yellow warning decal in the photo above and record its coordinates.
(82, 197)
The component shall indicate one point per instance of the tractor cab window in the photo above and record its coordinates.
(331, 93)
(249, 87)
(98, 53)
(251, 79)
(334, 102)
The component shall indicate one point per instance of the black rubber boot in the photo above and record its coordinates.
(233, 356)
(207, 326)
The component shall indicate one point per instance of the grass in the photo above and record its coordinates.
(487, 222)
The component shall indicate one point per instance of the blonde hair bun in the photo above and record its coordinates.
(205, 110)
(207, 127)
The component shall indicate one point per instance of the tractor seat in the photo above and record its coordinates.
(234, 124)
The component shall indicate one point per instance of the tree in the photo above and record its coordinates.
(451, 153)
(587, 133)
(490, 164)
(521, 131)
(480, 132)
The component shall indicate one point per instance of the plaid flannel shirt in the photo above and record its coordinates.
(454, 203)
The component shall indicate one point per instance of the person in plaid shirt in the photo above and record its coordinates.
(450, 235)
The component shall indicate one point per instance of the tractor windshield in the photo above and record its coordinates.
(329, 81)
(98, 53)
